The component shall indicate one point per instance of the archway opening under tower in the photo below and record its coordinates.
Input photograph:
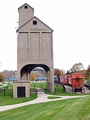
(27, 70)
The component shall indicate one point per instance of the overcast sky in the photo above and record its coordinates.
(70, 20)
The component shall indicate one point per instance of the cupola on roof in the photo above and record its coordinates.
(26, 12)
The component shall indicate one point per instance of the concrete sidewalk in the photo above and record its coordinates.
(42, 97)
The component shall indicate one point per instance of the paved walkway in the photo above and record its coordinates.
(42, 97)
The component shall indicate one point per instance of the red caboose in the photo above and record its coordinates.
(77, 80)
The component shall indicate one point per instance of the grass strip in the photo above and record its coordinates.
(71, 109)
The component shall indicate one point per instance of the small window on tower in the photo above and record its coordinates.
(34, 22)
(25, 7)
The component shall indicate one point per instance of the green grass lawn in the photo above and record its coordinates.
(71, 109)
(9, 100)
(58, 89)
(7, 97)
(38, 85)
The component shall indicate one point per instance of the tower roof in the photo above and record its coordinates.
(25, 5)
(30, 20)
